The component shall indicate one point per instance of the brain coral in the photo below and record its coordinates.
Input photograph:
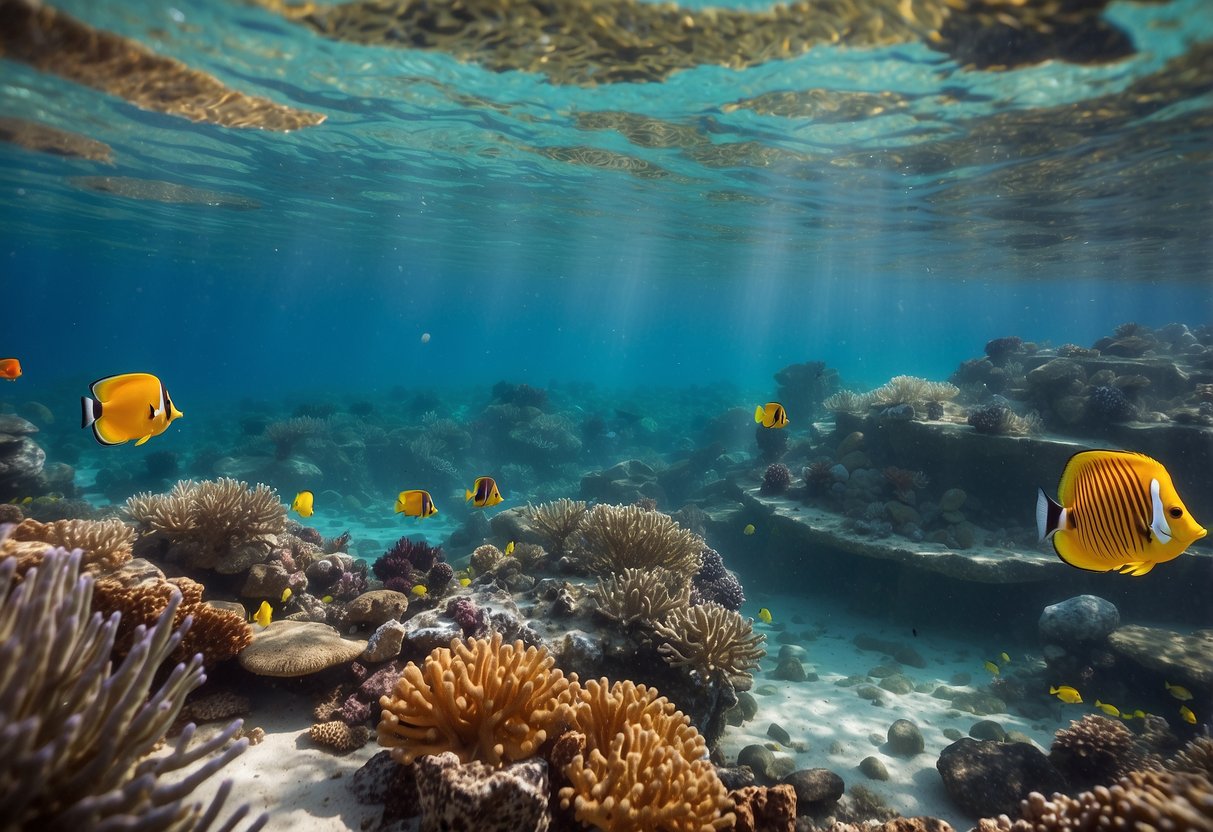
(481, 700)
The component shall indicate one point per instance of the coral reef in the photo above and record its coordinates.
(218, 524)
(481, 700)
(286, 649)
(455, 796)
(75, 729)
(640, 596)
(470, 618)
(620, 537)
(1094, 751)
(1196, 757)
(776, 479)
(106, 544)
(408, 562)
(711, 640)
(848, 401)
(339, 736)
(713, 583)
(287, 435)
(1140, 800)
(486, 558)
(997, 419)
(803, 386)
(1109, 404)
(556, 522)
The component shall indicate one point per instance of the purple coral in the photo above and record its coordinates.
(406, 556)
(1109, 404)
(349, 586)
(354, 711)
(467, 615)
(440, 576)
(713, 582)
(777, 479)
(399, 584)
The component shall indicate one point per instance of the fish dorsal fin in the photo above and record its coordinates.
(1158, 518)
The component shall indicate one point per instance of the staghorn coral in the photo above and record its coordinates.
(557, 521)
(76, 728)
(217, 524)
(106, 543)
(711, 640)
(1145, 800)
(639, 596)
(481, 700)
(1094, 751)
(642, 783)
(215, 634)
(620, 537)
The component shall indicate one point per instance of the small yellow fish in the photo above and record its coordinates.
(465, 581)
(286, 594)
(303, 504)
(993, 668)
(328, 599)
(128, 406)
(771, 415)
(1134, 519)
(415, 503)
(1005, 658)
(484, 493)
(264, 614)
(420, 591)
(749, 529)
(764, 615)
(1067, 694)
(27, 501)
(1110, 710)
(1137, 714)
(1187, 714)
(1179, 692)
(509, 548)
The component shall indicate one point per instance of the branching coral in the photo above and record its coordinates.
(557, 521)
(601, 710)
(913, 390)
(75, 730)
(286, 435)
(622, 537)
(848, 401)
(217, 524)
(106, 543)
(1140, 800)
(711, 640)
(481, 700)
(216, 634)
(640, 596)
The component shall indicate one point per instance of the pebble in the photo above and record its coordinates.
(905, 740)
(988, 729)
(952, 733)
(836, 747)
(760, 759)
(815, 786)
(898, 684)
(766, 690)
(777, 733)
(868, 692)
(874, 768)
(790, 670)
(792, 651)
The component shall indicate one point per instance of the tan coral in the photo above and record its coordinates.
(622, 537)
(601, 710)
(642, 783)
(485, 558)
(641, 596)
(481, 700)
(848, 401)
(1094, 751)
(557, 521)
(340, 737)
(1140, 800)
(219, 524)
(913, 390)
(712, 640)
(1196, 757)
(106, 543)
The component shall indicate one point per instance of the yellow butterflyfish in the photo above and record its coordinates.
(1067, 694)
(1134, 519)
(990, 666)
(415, 503)
(286, 594)
(128, 406)
(1110, 710)
(484, 493)
(771, 415)
(264, 614)
(420, 591)
(303, 504)
(465, 581)
(749, 529)
(328, 599)
(1187, 714)
(509, 548)
(1179, 692)
(764, 615)
(1006, 659)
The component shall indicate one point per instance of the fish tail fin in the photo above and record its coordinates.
(1052, 690)
(758, 414)
(467, 495)
(1050, 516)
(90, 411)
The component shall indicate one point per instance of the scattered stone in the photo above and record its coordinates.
(836, 748)
(905, 740)
(851, 681)
(815, 788)
(876, 739)
(1080, 620)
(873, 768)
(777, 733)
(897, 684)
(952, 733)
(384, 644)
(760, 759)
(793, 651)
(783, 766)
(1020, 736)
(952, 499)
(987, 778)
(735, 777)
(988, 729)
(377, 606)
(880, 671)
(979, 704)
(766, 690)
(960, 679)
(787, 638)
(790, 670)
(748, 705)
(868, 692)
(811, 676)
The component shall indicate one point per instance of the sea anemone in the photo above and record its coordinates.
(776, 479)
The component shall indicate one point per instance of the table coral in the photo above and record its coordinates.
(481, 700)
(619, 537)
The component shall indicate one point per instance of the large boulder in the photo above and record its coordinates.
(986, 778)
(1083, 619)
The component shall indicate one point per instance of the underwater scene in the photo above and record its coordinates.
(510, 415)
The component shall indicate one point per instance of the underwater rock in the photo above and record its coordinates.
(21, 458)
(376, 607)
(383, 782)
(794, 651)
(1187, 658)
(777, 733)
(905, 740)
(873, 768)
(988, 729)
(622, 484)
(986, 778)
(897, 683)
(1083, 619)
(266, 580)
(816, 788)
(747, 705)
(763, 808)
(473, 795)
(735, 777)
(978, 704)
(952, 499)
(760, 760)
(789, 670)
(384, 644)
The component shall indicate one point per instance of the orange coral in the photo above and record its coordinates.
(106, 543)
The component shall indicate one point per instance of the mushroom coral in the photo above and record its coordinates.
(481, 700)
(622, 537)
(76, 729)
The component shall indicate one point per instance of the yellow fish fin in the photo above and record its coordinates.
(467, 495)
(144, 439)
(1070, 550)
(759, 413)
(1137, 568)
